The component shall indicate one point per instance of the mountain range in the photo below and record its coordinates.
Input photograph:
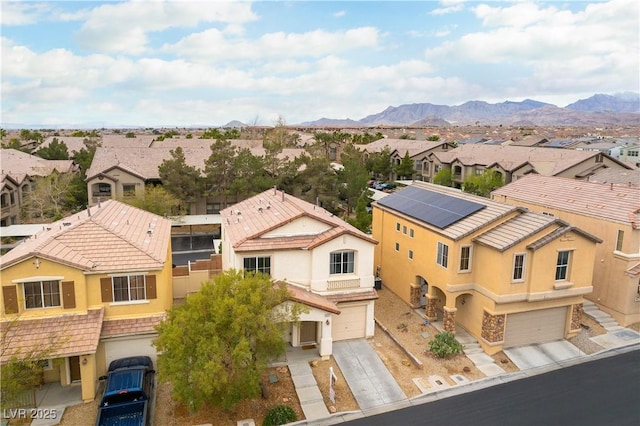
(599, 109)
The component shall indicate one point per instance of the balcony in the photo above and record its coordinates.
(340, 284)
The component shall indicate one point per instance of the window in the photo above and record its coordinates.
(410, 254)
(436, 168)
(633, 153)
(404, 230)
(41, 294)
(397, 226)
(342, 262)
(129, 189)
(258, 264)
(547, 214)
(518, 267)
(443, 254)
(213, 208)
(562, 265)
(619, 240)
(129, 288)
(411, 233)
(397, 246)
(465, 258)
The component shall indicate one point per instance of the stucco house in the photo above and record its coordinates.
(506, 275)
(327, 264)
(18, 171)
(86, 290)
(513, 162)
(607, 210)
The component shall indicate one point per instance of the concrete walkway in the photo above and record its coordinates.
(309, 395)
(371, 383)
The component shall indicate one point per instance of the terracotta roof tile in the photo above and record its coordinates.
(618, 203)
(248, 223)
(353, 296)
(58, 336)
(131, 326)
(301, 295)
(110, 237)
(18, 164)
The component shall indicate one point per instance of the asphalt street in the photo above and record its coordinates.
(601, 392)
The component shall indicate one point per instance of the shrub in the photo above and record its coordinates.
(279, 415)
(445, 345)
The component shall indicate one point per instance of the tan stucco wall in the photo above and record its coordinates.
(613, 290)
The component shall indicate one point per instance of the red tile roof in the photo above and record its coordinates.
(52, 337)
(112, 236)
(301, 295)
(130, 326)
(353, 296)
(247, 222)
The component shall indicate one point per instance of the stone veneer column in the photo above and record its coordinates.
(493, 327)
(449, 320)
(576, 316)
(430, 309)
(414, 296)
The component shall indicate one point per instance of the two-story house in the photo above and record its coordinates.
(508, 276)
(18, 171)
(327, 264)
(86, 290)
(513, 162)
(609, 211)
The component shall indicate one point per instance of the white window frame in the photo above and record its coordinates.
(468, 258)
(521, 267)
(620, 240)
(128, 288)
(346, 263)
(411, 233)
(397, 247)
(43, 294)
(264, 269)
(562, 269)
(404, 229)
(442, 254)
(398, 226)
(410, 254)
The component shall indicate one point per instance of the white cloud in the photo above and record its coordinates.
(213, 45)
(448, 6)
(339, 14)
(560, 48)
(123, 27)
(22, 13)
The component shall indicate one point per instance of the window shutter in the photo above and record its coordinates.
(68, 295)
(106, 289)
(10, 295)
(150, 281)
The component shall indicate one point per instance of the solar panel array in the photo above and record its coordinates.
(434, 208)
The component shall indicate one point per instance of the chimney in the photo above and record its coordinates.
(89, 211)
(282, 193)
(611, 186)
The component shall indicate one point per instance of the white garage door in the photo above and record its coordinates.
(539, 326)
(351, 323)
(131, 346)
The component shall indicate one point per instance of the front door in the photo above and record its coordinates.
(308, 332)
(74, 368)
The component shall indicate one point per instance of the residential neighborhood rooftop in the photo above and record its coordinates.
(247, 222)
(108, 237)
(19, 164)
(514, 230)
(620, 203)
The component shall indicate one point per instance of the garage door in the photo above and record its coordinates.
(351, 323)
(132, 346)
(543, 325)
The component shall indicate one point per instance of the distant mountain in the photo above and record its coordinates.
(622, 102)
(622, 109)
(234, 124)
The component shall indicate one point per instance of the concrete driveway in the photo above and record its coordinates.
(542, 354)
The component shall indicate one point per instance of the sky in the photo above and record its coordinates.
(189, 63)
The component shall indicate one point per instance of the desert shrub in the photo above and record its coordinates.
(445, 345)
(279, 415)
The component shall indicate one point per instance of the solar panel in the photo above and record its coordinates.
(434, 208)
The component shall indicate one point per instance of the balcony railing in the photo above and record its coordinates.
(342, 284)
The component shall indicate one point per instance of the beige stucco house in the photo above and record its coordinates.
(513, 162)
(86, 290)
(608, 211)
(508, 276)
(327, 264)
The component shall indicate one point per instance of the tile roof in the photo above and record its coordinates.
(618, 203)
(75, 144)
(57, 336)
(18, 164)
(546, 161)
(306, 297)
(557, 233)
(617, 177)
(130, 326)
(245, 223)
(353, 296)
(634, 270)
(111, 236)
(514, 230)
(469, 224)
(401, 145)
(144, 161)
